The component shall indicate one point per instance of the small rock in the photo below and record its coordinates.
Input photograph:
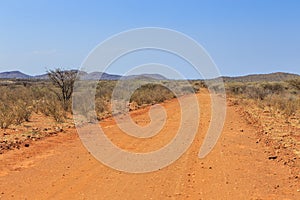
(273, 157)
(58, 129)
(27, 145)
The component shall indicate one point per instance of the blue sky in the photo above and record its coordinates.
(242, 37)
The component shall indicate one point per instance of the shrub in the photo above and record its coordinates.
(295, 83)
(22, 111)
(101, 106)
(16, 105)
(272, 88)
(6, 116)
(50, 106)
(236, 88)
(275, 95)
(255, 92)
(151, 93)
(289, 104)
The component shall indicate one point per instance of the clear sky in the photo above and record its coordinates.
(242, 36)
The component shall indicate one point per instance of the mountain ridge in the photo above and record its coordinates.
(275, 76)
(83, 76)
(272, 77)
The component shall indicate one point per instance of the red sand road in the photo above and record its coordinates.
(238, 168)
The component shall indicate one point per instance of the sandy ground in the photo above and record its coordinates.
(59, 167)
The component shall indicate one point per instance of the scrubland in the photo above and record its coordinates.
(32, 109)
(257, 155)
(272, 107)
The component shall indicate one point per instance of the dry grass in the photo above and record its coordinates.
(16, 106)
(279, 96)
(274, 109)
(20, 99)
(18, 102)
(31, 110)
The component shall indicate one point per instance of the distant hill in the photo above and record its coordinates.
(14, 75)
(145, 77)
(97, 75)
(272, 77)
(84, 76)
(41, 77)
(278, 76)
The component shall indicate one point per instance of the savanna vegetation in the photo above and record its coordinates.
(273, 108)
(282, 97)
(20, 99)
(24, 103)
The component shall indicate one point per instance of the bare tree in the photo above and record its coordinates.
(64, 80)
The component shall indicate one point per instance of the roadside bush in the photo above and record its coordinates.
(295, 84)
(289, 105)
(16, 105)
(7, 116)
(236, 88)
(51, 107)
(255, 92)
(272, 88)
(189, 90)
(151, 93)
(105, 89)
(276, 95)
(101, 106)
(22, 111)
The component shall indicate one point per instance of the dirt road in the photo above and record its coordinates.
(238, 167)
